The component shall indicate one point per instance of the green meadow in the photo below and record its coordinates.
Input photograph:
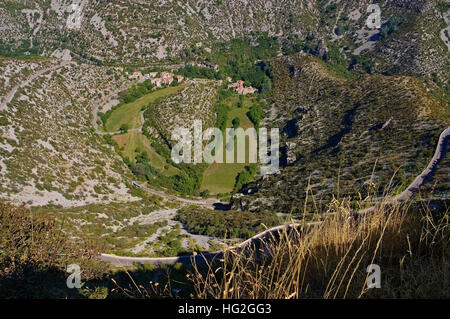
(221, 177)
(130, 113)
(133, 143)
(217, 178)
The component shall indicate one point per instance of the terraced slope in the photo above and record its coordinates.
(194, 102)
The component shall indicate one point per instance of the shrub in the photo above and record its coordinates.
(124, 128)
(255, 114)
(193, 71)
(34, 254)
(391, 26)
(222, 116)
(229, 224)
(136, 91)
(236, 122)
(245, 177)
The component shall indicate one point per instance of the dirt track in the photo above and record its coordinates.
(8, 97)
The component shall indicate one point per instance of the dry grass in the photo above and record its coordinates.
(329, 260)
(325, 260)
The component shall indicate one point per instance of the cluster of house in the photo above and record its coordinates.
(165, 78)
(240, 88)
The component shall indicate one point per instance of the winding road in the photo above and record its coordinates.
(439, 153)
(428, 171)
(9, 97)
(208, 202)
(95, 107)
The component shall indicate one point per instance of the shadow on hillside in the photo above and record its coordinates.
(51, 283)
(333, 141)
(33, 283)
(221, 206)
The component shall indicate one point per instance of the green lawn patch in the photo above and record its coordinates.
(130, 113)
(133, 143)
(221, 178)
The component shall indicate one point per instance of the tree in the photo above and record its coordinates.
(236, 122)
(266, 86)
(140, 169)
(340, 29)
(222, 116)
(255, 114)
(240, 102)
(205, 193)
(124, 128)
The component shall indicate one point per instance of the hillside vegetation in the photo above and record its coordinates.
(343, 135)
(35, 253)
(85, 146)
(138, 33)
(49, 152)
(409, 243)
(130, 113)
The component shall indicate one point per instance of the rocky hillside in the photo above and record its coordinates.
(378, 103)
(49, 151)
(357, 136)
(195, 102)
(412, 38)
(132, 31)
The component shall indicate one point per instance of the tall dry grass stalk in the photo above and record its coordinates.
(329, 259)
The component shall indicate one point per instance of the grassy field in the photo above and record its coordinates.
(131, 113)
(136, 141)
(241, 113)
(220, 178)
